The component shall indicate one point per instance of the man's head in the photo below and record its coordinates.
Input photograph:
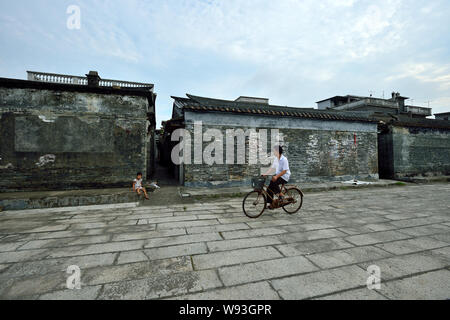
(139, 175)
(278, 151)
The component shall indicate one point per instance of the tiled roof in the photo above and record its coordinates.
(442, 113)
(201, 104)
(423, 123)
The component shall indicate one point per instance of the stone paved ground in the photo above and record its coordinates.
(212, 251)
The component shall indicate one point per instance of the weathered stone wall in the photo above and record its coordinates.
(57, 139)
(331, 155)
(317, 150)
(419, 151)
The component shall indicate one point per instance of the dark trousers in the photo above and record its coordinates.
(274, 188)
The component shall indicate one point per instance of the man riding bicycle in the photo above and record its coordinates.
(282, 175)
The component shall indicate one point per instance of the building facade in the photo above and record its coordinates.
(320, 146)
(60, 132)
(396, 105)
(410, 148)
(410, 145)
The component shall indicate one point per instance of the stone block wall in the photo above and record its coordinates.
(417, 151)
(318, 150)
(322, 155)
(53, 139)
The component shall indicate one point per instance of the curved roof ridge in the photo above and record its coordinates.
(196, 103)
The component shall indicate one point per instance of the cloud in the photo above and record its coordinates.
(280, 32)
(440, 104)
(294, 52)
(427, 72)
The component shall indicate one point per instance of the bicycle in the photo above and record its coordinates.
(255, 202)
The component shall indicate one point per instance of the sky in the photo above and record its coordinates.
(290, 51)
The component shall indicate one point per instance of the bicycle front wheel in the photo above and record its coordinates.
(254, 204)
(294, 197)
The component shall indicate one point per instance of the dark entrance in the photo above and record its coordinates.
(385, 153)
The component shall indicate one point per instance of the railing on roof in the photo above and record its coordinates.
(68, 79)
(419, 110)
(368, 101)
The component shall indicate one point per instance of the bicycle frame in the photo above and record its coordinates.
(266, 193)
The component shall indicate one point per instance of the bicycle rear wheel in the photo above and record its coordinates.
(254, 204)
(295, 198)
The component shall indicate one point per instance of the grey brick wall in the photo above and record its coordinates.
(420, 151)
(331, 155)
(66, 140)
(314, 155)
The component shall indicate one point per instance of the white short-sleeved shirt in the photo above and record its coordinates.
(138, 183)
(281, 165)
